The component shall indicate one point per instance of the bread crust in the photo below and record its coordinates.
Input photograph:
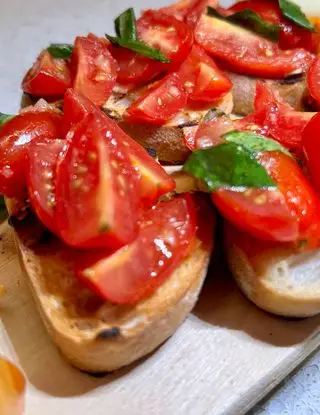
(274, 276)
(97, 336)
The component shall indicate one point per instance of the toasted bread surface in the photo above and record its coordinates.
(275, 277)
(97, 336)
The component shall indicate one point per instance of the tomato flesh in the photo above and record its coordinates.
(136, 270)
(311, 147)
(247, 52)
(95, 69)
(96, 200)
(133, 67)
(277, 119)
(42, 162)
(202, 79)
(160, 102)
(15, 138)
(313, 80)
(153, 181)
(49, 77)
(172, 37)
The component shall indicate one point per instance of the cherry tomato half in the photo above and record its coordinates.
(153, 179)
(136, 270)
(48, 77)
(43, 156)
(133, 67)
(95, 69)
(311, 147)
(172, 37)
(15, 138)
(247, 52)
(96, 198)
(160, 102)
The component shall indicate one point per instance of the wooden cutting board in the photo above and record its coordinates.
(224, 358)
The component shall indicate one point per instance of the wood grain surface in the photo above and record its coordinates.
(223, 359)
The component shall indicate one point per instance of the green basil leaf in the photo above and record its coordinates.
(5, 117)
(228, 166)
(294, 13)
(139, 47)
(249, 19)
(254, 143)
(60, 50)
(3, 209)
(125, 25)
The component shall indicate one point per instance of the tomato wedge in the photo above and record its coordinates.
(291, 35)
(277, 119)
(41, 173)
(153, 180)
(290, 214)
(160, 102)
(96, 198)
(48, 77)
(180, 9)
(133, 67)
(95, 68)
(15, 137)
(172, 37)
(247, 52)
(135, 271)
(313, 79)
(201, 77)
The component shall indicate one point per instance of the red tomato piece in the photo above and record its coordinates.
(199, 8)
(172, 37)
(278, 119)
(96, 198)
(48, 77)
(313, 79)
(311, 147)
(180, 9)
(41, 172)
(291, 35)
(153, 179)
(136, 270)
(262, 213)
(95, 69)
(201, 77)
(160, 102)
(247, 52)
(133, 67)
(15, 138)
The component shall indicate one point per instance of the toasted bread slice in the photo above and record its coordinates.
(97, 336)
(168, 140)
(274, 276)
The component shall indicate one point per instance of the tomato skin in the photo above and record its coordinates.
(95, 68)
(277, 119)
(248, 53)
(133, 67)
(48, 77)
(313, 80)
(95, 187)
(291, 35)
(42, 162)
(137, 270)
(172, 37)
(179, 10)
(153, 181)
(261, 213)
(202, 79)
(310, 142)
(160, 102)
(15, 137)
